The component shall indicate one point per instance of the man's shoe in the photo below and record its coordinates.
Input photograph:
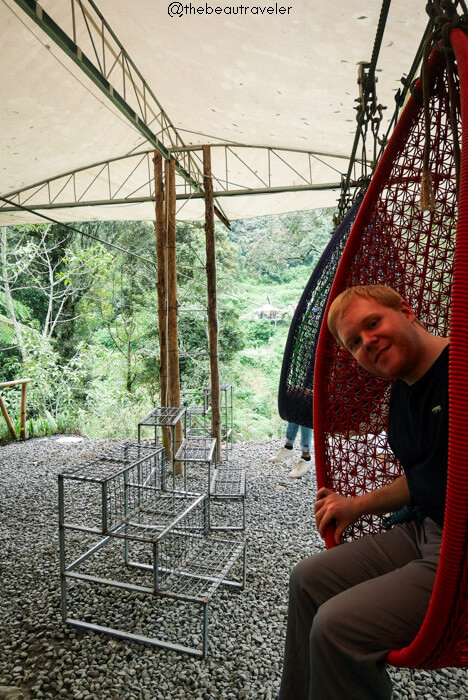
(301, 468)
(283, 454)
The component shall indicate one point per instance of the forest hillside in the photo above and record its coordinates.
(78, 315)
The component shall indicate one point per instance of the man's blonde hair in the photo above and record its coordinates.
(386, 296)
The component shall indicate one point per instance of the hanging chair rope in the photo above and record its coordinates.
(445, 18)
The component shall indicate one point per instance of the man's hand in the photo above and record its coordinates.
(329, 507)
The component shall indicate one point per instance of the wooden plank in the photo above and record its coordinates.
(24, 387)
(15, 382)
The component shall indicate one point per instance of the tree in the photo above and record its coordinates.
(47, 270)
(43, 268)
(278, 244)
(12, 266)
(193, 330)
(128, 297)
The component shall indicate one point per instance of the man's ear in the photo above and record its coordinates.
(407, 310)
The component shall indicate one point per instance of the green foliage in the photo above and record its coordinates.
(260, 332)
(81, 319)
(7, 334)
(231, 336)
(273, 247)
(22, 311)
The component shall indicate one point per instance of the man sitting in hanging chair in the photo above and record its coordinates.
(351, 604)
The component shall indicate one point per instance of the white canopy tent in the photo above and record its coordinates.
(274, 92)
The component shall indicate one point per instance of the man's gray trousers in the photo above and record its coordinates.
(350, 605)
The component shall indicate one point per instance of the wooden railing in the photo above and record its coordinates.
(15, 382)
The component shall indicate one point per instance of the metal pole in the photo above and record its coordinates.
(205, 629)
(63, 580)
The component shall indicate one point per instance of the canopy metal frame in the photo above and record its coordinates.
(277, 170)
(128, 91)
(87, 39)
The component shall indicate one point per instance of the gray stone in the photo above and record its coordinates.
(246, 628)
(10, 693)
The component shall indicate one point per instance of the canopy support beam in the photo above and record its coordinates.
(211, 299)
(255, 170)
(7, 209)
(172, 324)
(161, 286)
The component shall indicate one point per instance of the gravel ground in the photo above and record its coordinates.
(45, 659)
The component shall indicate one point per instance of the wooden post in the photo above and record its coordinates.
(161, 286)
(24, 386)
(15, 382)
(212, 304)
(172, 330)
(7, 419)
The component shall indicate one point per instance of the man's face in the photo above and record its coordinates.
(383, 340)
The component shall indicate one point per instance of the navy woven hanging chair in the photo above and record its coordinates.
(297, 372)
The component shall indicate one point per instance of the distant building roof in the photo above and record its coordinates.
(266, 308)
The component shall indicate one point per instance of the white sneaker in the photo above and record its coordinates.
(301, 468)
(283, 454)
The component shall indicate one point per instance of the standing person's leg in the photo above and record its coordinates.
(291, 432)
(305, 463)
(349, 605)
(306, 440)
(286, 451)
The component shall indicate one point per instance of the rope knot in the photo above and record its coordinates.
(427, 200)
(445, 18)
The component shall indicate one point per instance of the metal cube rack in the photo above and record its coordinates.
(225, 483)
(226, 407)
(198, 420)
(198, 449)
(163, 417)
(166, 539)
(99, 488)
(198, 410)
(228, 484)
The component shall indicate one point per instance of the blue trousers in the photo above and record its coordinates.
(306, 435)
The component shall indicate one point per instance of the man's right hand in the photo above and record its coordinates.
(331, 507)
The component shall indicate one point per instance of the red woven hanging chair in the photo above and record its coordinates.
(424, 256)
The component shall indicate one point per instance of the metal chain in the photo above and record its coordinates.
(368, 112)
